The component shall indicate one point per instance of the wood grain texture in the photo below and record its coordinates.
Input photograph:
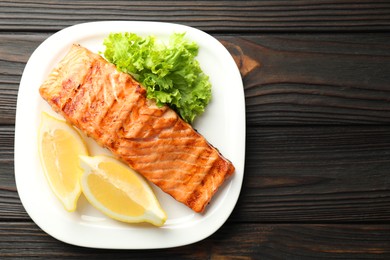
(264, 241)
(212, 16)
(316, 174)
(7, 143)
(317, 89)
(15, 50)
(315, 79)
(10, 205)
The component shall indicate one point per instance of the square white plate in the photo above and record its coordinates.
(223, 125)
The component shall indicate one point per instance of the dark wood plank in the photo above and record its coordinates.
(10, 204)
(257, 241)
(212, 16)
(7, 143)
(292, 174)
(288, 79)
(15, 50)
(314, 79)
(11, 207)
(316, 174)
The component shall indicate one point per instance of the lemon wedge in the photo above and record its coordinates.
(119, 192)
(59, 146)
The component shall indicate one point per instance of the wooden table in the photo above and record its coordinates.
(317, 85)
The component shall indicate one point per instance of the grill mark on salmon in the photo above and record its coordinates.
(112, 108)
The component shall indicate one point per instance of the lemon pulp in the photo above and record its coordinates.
(59, 148)
(119, 192)
(113, 198)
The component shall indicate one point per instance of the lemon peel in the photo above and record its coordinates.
(119, 192)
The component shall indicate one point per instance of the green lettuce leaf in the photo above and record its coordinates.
(169, 71)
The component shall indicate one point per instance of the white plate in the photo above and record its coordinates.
(223, 125)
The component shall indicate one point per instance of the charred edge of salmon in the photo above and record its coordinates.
(73, 77)
(221, 165)
(192, 201)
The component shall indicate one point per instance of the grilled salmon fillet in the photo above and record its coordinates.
(112, 108)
